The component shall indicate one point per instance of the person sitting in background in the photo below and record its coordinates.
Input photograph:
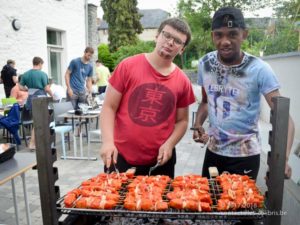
(9, 76)
(19, 94)
(102, 73)
(57, 90)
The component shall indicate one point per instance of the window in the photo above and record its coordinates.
(55, 50)
(53, 37)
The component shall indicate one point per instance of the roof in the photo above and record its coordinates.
(151, 18)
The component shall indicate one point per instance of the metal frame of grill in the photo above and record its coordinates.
(50, 193)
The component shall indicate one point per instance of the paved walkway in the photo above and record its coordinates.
(72, 172)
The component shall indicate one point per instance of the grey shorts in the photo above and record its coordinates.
(77, 97)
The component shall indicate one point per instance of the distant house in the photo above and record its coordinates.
(57, 31)
(150, 20)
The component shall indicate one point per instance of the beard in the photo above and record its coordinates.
(164, 54)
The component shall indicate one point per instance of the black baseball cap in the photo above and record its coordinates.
(228, 17)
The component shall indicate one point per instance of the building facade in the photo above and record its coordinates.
(56, 30)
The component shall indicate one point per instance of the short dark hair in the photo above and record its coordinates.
(89, 49)
(37, 60)
(179, 25)
(10, 61)
(230, 17)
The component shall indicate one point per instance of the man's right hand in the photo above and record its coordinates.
(199, 135)
(108, 152)
(70, 92)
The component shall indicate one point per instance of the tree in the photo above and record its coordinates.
(285, 37)
(284, 40)
(123, 22)
(288, 9)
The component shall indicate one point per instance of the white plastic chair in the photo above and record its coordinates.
(60, 127)
(62, 130)
(98, 139)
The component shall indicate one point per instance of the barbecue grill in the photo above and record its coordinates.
(120, 211)
(53, 207)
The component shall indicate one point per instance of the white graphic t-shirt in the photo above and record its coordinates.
(233, 94)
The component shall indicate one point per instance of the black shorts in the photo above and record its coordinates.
(166, 169)
(239, 165)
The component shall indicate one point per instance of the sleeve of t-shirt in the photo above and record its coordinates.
(118, 78)
(267, 80)
(187, 96)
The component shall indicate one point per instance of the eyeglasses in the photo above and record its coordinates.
(168, 37)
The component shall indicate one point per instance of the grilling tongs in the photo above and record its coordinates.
(154, 167)
(116, 169)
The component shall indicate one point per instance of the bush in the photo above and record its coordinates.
(130, 50)
(105, 56)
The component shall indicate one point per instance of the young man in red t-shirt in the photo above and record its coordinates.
(145, 112)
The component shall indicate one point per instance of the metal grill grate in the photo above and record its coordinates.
(120, 211)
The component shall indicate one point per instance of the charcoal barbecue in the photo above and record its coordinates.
(53, 207)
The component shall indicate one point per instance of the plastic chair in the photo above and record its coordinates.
(97, 133)
(59, 126)
(26, 122)
(61, 108)
(62, 130)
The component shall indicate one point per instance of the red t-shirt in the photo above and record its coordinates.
(147, 112)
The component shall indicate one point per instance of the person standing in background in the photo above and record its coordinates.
(36, 82)
(102, 73)
(9, 76)
(78, 75)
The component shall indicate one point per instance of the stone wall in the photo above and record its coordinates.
(93, 38)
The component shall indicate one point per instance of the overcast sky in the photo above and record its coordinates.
(170, 6)
(167, 5)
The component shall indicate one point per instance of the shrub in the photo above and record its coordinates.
(105, 56)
